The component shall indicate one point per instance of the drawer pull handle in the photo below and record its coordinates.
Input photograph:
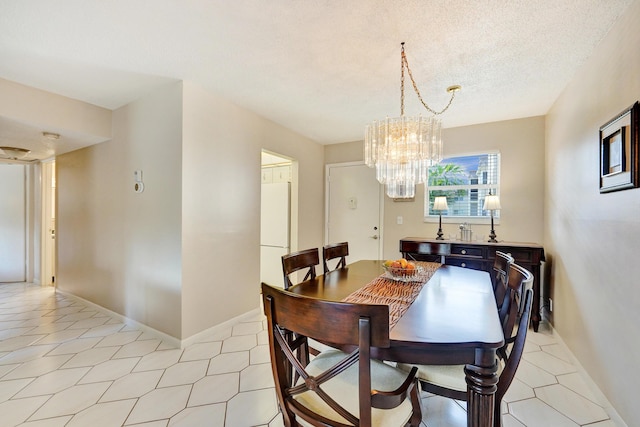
(463, 252)
(464, 264)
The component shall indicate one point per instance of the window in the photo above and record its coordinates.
(464, 181)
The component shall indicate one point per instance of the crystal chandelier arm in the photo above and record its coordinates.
(405, 63)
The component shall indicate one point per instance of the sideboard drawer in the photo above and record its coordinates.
(475, 264)
(468, 251)
(524, 256)
(425, 248)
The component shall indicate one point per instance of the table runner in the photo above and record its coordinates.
(398, 295)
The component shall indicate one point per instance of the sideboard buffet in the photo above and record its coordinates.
(479, 256)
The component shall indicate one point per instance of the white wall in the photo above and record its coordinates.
(221, 204)
(592, 238)
(118, 248)
(521, 144)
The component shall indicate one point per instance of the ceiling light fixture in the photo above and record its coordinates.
(52, 136)
(402, 149)
(14, 153)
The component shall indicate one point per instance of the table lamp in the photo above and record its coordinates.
(492, 203)
(440, 204)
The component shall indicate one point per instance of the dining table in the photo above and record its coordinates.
(449, 318)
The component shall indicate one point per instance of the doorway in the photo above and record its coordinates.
(354, 209)
(278, 214)
(48, 238)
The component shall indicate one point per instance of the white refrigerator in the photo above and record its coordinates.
(274, 231)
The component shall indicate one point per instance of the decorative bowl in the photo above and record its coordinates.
(401, 274)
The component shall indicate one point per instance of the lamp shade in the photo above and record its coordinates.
(491, 203)
(440, 204)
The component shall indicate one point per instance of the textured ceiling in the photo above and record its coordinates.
(321, 68)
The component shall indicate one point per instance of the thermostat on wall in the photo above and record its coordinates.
(138, 187)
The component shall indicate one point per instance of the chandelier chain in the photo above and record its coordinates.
(403, 59)
(404, 63)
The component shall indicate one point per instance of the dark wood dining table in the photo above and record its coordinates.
(452, 321)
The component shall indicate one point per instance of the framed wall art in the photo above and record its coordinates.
(619, 151)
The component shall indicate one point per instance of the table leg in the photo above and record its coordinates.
(535, 310)
(481, 389)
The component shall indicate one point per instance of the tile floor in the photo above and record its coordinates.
(65, 363)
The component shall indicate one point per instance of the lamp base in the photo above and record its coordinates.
(440, 229)
(492, 234)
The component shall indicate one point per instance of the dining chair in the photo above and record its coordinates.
(296, 261)
(519, 280)
(336, 388)
(334, 251)
(300, 260)
(500, 269)
(449, 380)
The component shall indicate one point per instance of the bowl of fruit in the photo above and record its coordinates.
(400, 269)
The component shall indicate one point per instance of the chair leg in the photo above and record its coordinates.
(416, 403)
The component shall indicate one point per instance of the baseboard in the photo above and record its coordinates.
(220, 327)
(593, 387)
(161, 335)
(147, 329)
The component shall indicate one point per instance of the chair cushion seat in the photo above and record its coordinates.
(344, 389)
(446, 376)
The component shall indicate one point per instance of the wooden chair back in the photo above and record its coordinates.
(300, 260)
(519, 280)
(514, 356)
(292, 319)
(335, 251)
(499, 276)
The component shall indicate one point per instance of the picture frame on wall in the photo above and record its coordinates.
(619, 151)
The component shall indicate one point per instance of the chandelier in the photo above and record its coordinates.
(402, 149)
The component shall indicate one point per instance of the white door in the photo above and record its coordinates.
(12, 223)
(354, 210)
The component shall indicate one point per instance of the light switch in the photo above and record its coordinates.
(399, 220)
(138, 186)
(353, 202)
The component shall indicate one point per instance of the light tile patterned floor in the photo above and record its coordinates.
(65, 363)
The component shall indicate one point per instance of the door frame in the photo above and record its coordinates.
(327, 170)
(48, 202)
(293, 201)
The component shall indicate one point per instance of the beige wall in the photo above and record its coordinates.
(48, 111)
(221, 204)
(521, 144)
(53, 112)
(592, 237)
(182, 256)
(118, 248)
